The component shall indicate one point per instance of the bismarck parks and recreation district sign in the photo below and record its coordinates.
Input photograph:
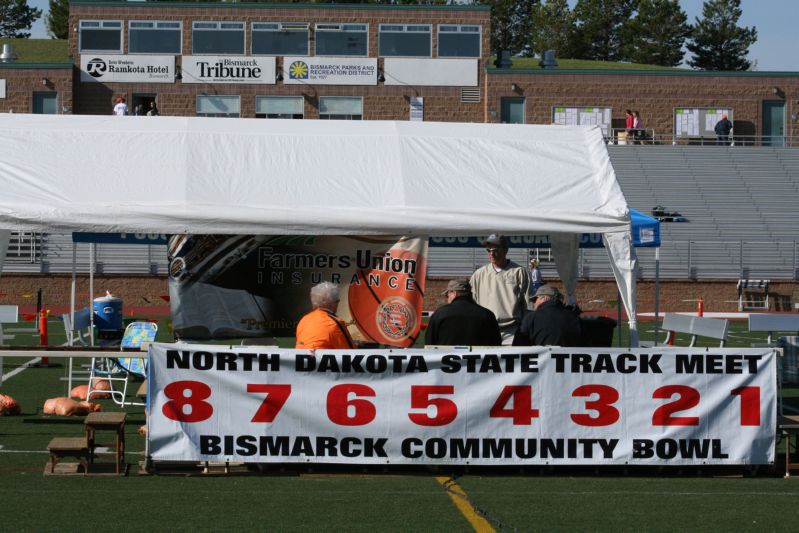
(127, 68)
(228, 69)
(329, 71)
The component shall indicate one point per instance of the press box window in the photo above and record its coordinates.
(280, 39)
(405, 40)
(279, 107)
(342, 39)
(340, 108)
(458, 40)
(154, 37)
(218, 106)
(217, 38)
(100, 36)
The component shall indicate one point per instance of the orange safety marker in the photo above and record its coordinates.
(700, 307)
(43, 340)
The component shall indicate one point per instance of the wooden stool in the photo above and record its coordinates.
(787, 426)
(107, 421)
(61, 447)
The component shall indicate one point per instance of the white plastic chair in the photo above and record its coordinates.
(119, 369)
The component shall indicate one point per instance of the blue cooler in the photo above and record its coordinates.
(108, 312)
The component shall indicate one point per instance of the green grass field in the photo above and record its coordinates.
(354, 499)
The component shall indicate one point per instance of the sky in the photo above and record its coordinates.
(775, 20)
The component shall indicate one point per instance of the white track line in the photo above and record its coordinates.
(16, 371)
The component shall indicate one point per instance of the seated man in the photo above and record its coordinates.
(321, 328)
(550, 324)
(462, 322)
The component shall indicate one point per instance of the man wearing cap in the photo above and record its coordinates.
(723, 128)
(502, 287)
(462, 322)
(551, 323)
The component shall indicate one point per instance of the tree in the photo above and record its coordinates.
(717, 42)
(657, 33)
(553, 28)
(57, 19)
(16, 18)
(599, 27)
(510, 24)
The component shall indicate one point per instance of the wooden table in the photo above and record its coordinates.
(109, 422)
(788, 426)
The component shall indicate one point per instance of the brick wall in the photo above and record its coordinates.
(380, 102)
(654, 95)
(22, 81)
(599, 296)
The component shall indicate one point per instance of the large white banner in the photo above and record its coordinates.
(514, 406)
(329, 70)
(127, 68)
(228, 69)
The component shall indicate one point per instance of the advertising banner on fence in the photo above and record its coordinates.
(503, 406)
(228, 69)
(224, 286)
(329, 70)
(127, 68)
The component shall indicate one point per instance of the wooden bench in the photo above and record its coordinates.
(696, 326)
(61, 447)
(769, 323)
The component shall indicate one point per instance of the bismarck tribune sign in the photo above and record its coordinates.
(329, 71)
(228, 69)
(122, 68)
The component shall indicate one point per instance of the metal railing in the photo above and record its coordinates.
(651, 137)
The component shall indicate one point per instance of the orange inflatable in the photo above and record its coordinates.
(81, 391)
(69, 407)
(9, 406)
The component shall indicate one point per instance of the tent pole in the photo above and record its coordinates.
(618, 314)
(91, 292)
(72, 291)
(657, 294)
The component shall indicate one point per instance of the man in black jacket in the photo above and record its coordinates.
(550, 324)
(462, 322)
(722, 129)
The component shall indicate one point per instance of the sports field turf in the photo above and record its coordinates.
(302, 499)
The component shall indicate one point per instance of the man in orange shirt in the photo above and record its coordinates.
(321, 328)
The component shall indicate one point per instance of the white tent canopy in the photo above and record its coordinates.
(284, 177)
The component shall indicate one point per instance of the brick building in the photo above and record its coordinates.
(370, 62)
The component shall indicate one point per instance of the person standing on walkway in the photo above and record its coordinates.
(502, 287)
(723, 129)
(536, 279)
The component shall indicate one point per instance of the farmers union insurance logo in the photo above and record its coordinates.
(298, 70)
(396, 318)
(96, 67)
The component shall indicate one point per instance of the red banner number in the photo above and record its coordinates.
(339, 403)
(187, 393)
(446, 410)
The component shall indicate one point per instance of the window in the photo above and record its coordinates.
(340, 108)
(458, 41)
(280, 38)
(218, 106)
(217, 38)
(405, 40)
(154, 37)
(279, 106)
(342, 39)
(45, 103)
(100, 36)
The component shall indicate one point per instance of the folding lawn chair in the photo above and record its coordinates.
(121, 368)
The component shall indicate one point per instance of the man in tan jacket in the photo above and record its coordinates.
(502, 286)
